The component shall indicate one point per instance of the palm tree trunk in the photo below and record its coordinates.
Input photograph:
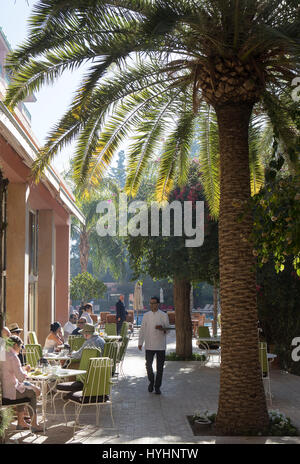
(242, 404)
(215, 320)
(182, 289)
(84, 249)
(191, 298)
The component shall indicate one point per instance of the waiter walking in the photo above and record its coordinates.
(153, 332)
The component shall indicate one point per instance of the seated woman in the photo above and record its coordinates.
(55, 338)
(14, 387)
(87, 311)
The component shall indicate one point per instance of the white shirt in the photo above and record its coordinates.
(154, 339)
(68, 329)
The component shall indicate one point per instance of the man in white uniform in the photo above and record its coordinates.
(153, 332)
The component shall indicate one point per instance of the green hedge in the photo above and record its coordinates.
(172, 356)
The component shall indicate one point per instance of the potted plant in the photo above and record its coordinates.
(203, 418)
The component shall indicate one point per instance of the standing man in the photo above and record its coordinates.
(120, 313)
(153, 332)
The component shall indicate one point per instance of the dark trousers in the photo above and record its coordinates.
(28, 393)
(160, 360)
(119, 326)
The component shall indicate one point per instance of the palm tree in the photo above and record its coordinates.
(154, 63)
(104, 252)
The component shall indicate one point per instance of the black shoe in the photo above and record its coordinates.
(150, 387)
(157, 391)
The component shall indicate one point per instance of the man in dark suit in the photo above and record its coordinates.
(120, 313)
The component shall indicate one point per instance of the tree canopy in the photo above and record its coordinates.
(168, 256)
(153, 65)
(85, 287)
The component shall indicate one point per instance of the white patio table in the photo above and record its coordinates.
(52, 376)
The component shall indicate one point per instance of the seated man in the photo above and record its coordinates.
(14, 329)
(93, 340)
(70, 326)
(80, 325)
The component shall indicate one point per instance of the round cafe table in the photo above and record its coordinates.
(50, 379)
(57, 357)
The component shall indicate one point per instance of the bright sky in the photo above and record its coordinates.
(52, 101)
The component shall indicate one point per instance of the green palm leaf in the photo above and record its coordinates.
(175, 155)
(209, 157)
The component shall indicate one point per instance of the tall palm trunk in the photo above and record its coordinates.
(192, 298)
(242, 403)
(215, 320)
(84, 248)
(182, 289)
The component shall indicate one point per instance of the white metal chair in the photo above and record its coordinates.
(121, 355)
(208, 348)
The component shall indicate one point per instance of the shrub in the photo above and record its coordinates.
(278, 296)
(280, 425)
(6, 416)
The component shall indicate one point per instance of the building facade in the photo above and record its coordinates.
(36, 243)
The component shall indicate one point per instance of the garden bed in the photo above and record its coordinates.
(279, 425)
(172, 356)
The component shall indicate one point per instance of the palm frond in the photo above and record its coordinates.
(256, 166)
(209, 157)
(175, 155)
(147, 140)
(280, 115)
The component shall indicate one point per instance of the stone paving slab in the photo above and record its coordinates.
(143, 417)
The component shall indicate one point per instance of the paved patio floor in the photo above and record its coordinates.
(142, 417)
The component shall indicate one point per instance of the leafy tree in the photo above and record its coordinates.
(276, 232)
(85, 287)
(98, 254)
(169, 257)
(237, 56)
